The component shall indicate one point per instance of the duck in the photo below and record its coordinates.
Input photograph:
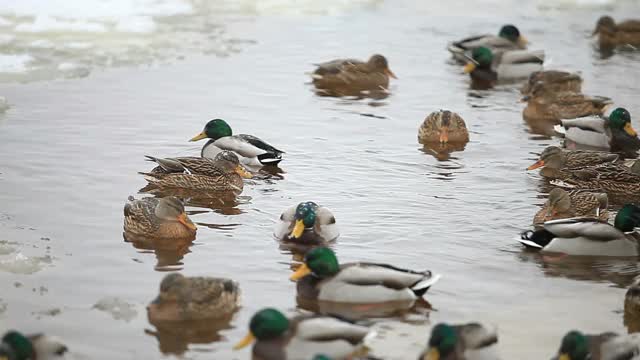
(632, 306)
(350, 77)
(252, 150)
(553, 158)
(588, 236)
(163, 218)
(614, 133)
(612, 34)
(278, 338)
(563, 204)
(321, 277)
(553, 81)
(487, 68)
(185, 298)
(307, 223)
(544, 104)
(617, 180)
(509, 38)
(605, 346)
(222, 173)
(17, 346)
(442, 127)
(461, 342)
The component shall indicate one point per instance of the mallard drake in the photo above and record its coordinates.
(300, 338)
(443, 127)
(563, 204)
(223, 173)
(322, 278)
(552, 81)
(486, 68)
(554, 158)
(461, 342)
(350, 77)
(251, 150)
(614, 133)
(612, 35)
(546, 105)
(508, 38)
(194, 298)
(588, 236)
(16, 346)
(163, 218)
(307, 223)
(606, 346)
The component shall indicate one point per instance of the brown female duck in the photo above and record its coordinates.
(612, 34)
(349, 77)
(555, 158)
(443, 127)
(547, 105)
(563, 204)
(163, 218)
(553, 81)
(194, 298)
(223, 173)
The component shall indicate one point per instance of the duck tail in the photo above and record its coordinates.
(536, 239)
(421, 287)
(269, 159)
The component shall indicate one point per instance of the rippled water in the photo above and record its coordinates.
(72, 148)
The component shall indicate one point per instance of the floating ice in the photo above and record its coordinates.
(118, 308)
(18, 263)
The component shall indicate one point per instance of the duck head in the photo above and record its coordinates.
(321, 262)
(215, 129)
(265, 324)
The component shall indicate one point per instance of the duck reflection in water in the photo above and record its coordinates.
(443, 132)
(191, 310)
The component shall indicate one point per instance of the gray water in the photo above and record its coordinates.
(71, 150)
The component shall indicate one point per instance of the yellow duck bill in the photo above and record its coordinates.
(246, 341)
(538, 164)
(432, 354)
(302, 271)
(469, 68)
(298, 229)
(240, 170)
(200, 136)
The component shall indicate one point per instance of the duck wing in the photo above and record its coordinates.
(388, 276)
(590, 228)
(629, 26)
(588, 123)
(476, 336)
(334, 67)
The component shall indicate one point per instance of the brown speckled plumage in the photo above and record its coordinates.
(434, 123)
(349, 77)
(551, 106)
(612, 34)
(194, 298)
(553, 81)
(576, 203)
(140, 219)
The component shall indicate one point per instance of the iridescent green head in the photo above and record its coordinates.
(268, 324)
(215, 129)
(321, 262)
(20, 345)
(509, 32)
(621, 119)
(627, 218)
(442, 341)
(321, 357)
(575, 346)
(482, 55)
(306, 212)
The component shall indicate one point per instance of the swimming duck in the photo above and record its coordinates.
(619, 181)
(251, 150)
(443, 127)
(553, 81)
(194, 298)
(487, 68)
(606, 346)
(632, 306)
(223, 173)
(563, 204)
(16, 346)
(350, 77)
(546, 105)
(612, 35)
(300, 338)
(553, 158)
(588, 236)
(508, 38)
(163, 218)
(307, 223)
(322, 278)
(614, 133)
(461, 342)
